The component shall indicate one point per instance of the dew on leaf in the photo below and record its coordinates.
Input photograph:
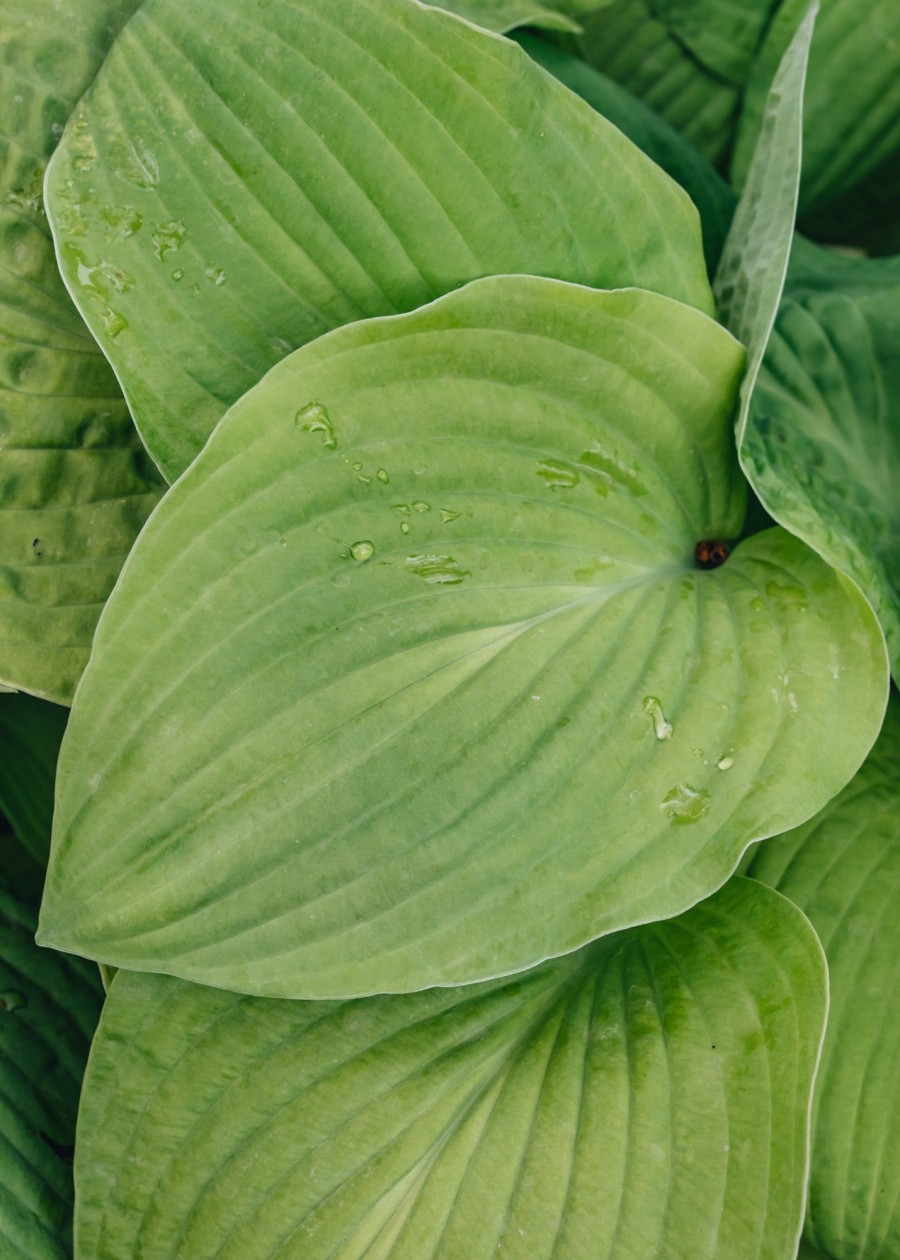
(684, 804)
(362, 551)
(314, 418)
(608, 474)
(215, 275)
(382, 475)
(420, 506)
(652, 706)
(167, 237)
(447, 516)
(557, 475)
(726, 761)
(437, 570)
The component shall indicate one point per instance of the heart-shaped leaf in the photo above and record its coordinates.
(646, 1097)
(30, 735)
(413, 677)
(75, 485)
(822, 443)
(48, 1009)
(843, 869)
(215, 214)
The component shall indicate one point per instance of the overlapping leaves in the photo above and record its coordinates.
(215, 215)
(413, 679)
(75, 484)
(48, 1010)
(843, 870)
(647, 1096)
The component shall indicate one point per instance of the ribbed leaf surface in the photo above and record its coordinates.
(216, 206)
(822, 444)
(843, 869)
(645, 1097)
(48, 1009)
(629, 42)
(75, 486)
(413, 678)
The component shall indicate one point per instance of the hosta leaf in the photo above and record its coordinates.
(630, 43)
(723, 36)
(30, 735)
(645, 1097)
(822, 445)
(75, 486)
(843, 869)
(851, 131)
(751, 272)
(714, 199)
(48, 1009)
(412, 678)
(215, 213)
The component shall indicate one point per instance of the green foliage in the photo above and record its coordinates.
(843, 869)
(647, 1096)
(506, 595)
(75, 483)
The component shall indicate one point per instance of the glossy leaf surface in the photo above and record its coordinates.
(843, 869)
(75, 486)
(214, 215)
(48, 1009)
(647, 1096)
(413, 679)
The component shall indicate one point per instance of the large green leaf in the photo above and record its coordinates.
(851, 133)
(645, 1097)
(213, 214)
(822, 443)
(30, 735)
(628, 41)
(843, 869)
(413, 679)
(48, 1009)
(751, 273)
(75, 486)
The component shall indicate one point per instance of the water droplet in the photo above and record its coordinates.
(367, 481)
(141, 167)
(121, 222)
(726, 761)
(535, 697)
(357, 467)
(12, 1000)
(168, 237)
(403, 508)
(437, 570)
(419, 506)
(684, 804)
(382, 475)
(313, 418)
(608, 474)
(362, 551)
(447, 516)
(556, 475)
(404, 527)
(215, 275)
(652, 706)
(788, 594)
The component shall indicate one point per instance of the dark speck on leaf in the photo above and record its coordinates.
(710, 553)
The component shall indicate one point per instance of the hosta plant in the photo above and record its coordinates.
(514, 585)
